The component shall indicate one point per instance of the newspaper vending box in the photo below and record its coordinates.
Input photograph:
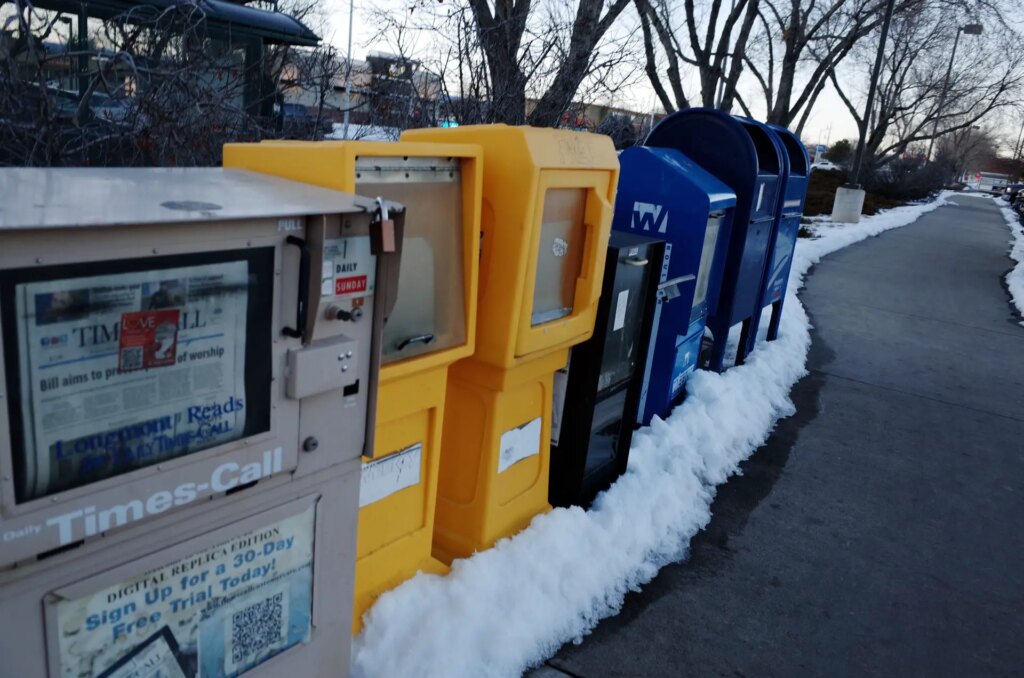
(187, 385)
(433, 325)
(545, 219)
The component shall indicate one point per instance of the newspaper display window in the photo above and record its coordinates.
(118, 365)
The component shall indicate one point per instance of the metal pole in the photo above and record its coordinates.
(348, 69)
(83, 46)
(1017, 148)
(942, 95)
(858, 157)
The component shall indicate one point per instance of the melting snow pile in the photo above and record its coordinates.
(512, 606)
(1015, 278)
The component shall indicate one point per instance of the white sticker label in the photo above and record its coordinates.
(519, 443)
(620, 311)
(383, 477)
(349, 267)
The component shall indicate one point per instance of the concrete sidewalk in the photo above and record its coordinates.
(879, 531)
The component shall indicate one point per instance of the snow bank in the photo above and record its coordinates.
(510, 607)
(1015, 278)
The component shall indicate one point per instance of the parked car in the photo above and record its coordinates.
(825, 166)
(1011, 191)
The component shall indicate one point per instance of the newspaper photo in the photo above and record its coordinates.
(125, 370)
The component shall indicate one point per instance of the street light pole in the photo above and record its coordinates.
(348, 69)
(969, 29)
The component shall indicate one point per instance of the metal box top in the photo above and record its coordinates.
(71, 197)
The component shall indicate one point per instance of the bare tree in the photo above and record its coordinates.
(965, 149)
(814, 38)
(575, 58)
(311, 76)
(713, 44)
(160, 88)
(788, 48)
(914, 101)
(493, 55)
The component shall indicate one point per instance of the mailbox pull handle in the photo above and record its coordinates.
(635, 261)
(302, 307)
(418, 339)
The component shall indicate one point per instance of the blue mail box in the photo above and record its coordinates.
(743, 155)
(664, 194)
(794, 194)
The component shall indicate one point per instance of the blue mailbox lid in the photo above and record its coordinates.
(738, 151)
(719, 196)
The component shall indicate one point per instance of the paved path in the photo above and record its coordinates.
(881, 530)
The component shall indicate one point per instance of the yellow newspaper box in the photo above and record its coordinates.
(432, 325)
(547, 208)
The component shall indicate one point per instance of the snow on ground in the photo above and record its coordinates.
(510, 607)
(1015, 278)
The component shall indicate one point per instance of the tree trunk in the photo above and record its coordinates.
(588, 28)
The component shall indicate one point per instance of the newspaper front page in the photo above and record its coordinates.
(125, 370)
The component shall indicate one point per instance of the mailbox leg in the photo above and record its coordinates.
(744, 346)
(773, 324)
(720, 337)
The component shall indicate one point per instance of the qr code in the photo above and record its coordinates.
(131, 358)
(256, 629)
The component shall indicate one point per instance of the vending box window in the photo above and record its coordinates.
(545, 219)
(151, 361)
(182, 420)
(433, 324)
(597, 395)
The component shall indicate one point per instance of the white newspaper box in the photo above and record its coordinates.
(189, 362)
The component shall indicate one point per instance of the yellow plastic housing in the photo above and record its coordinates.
(521, 165)
(547, 193)
(395, 535)
(477, 502)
